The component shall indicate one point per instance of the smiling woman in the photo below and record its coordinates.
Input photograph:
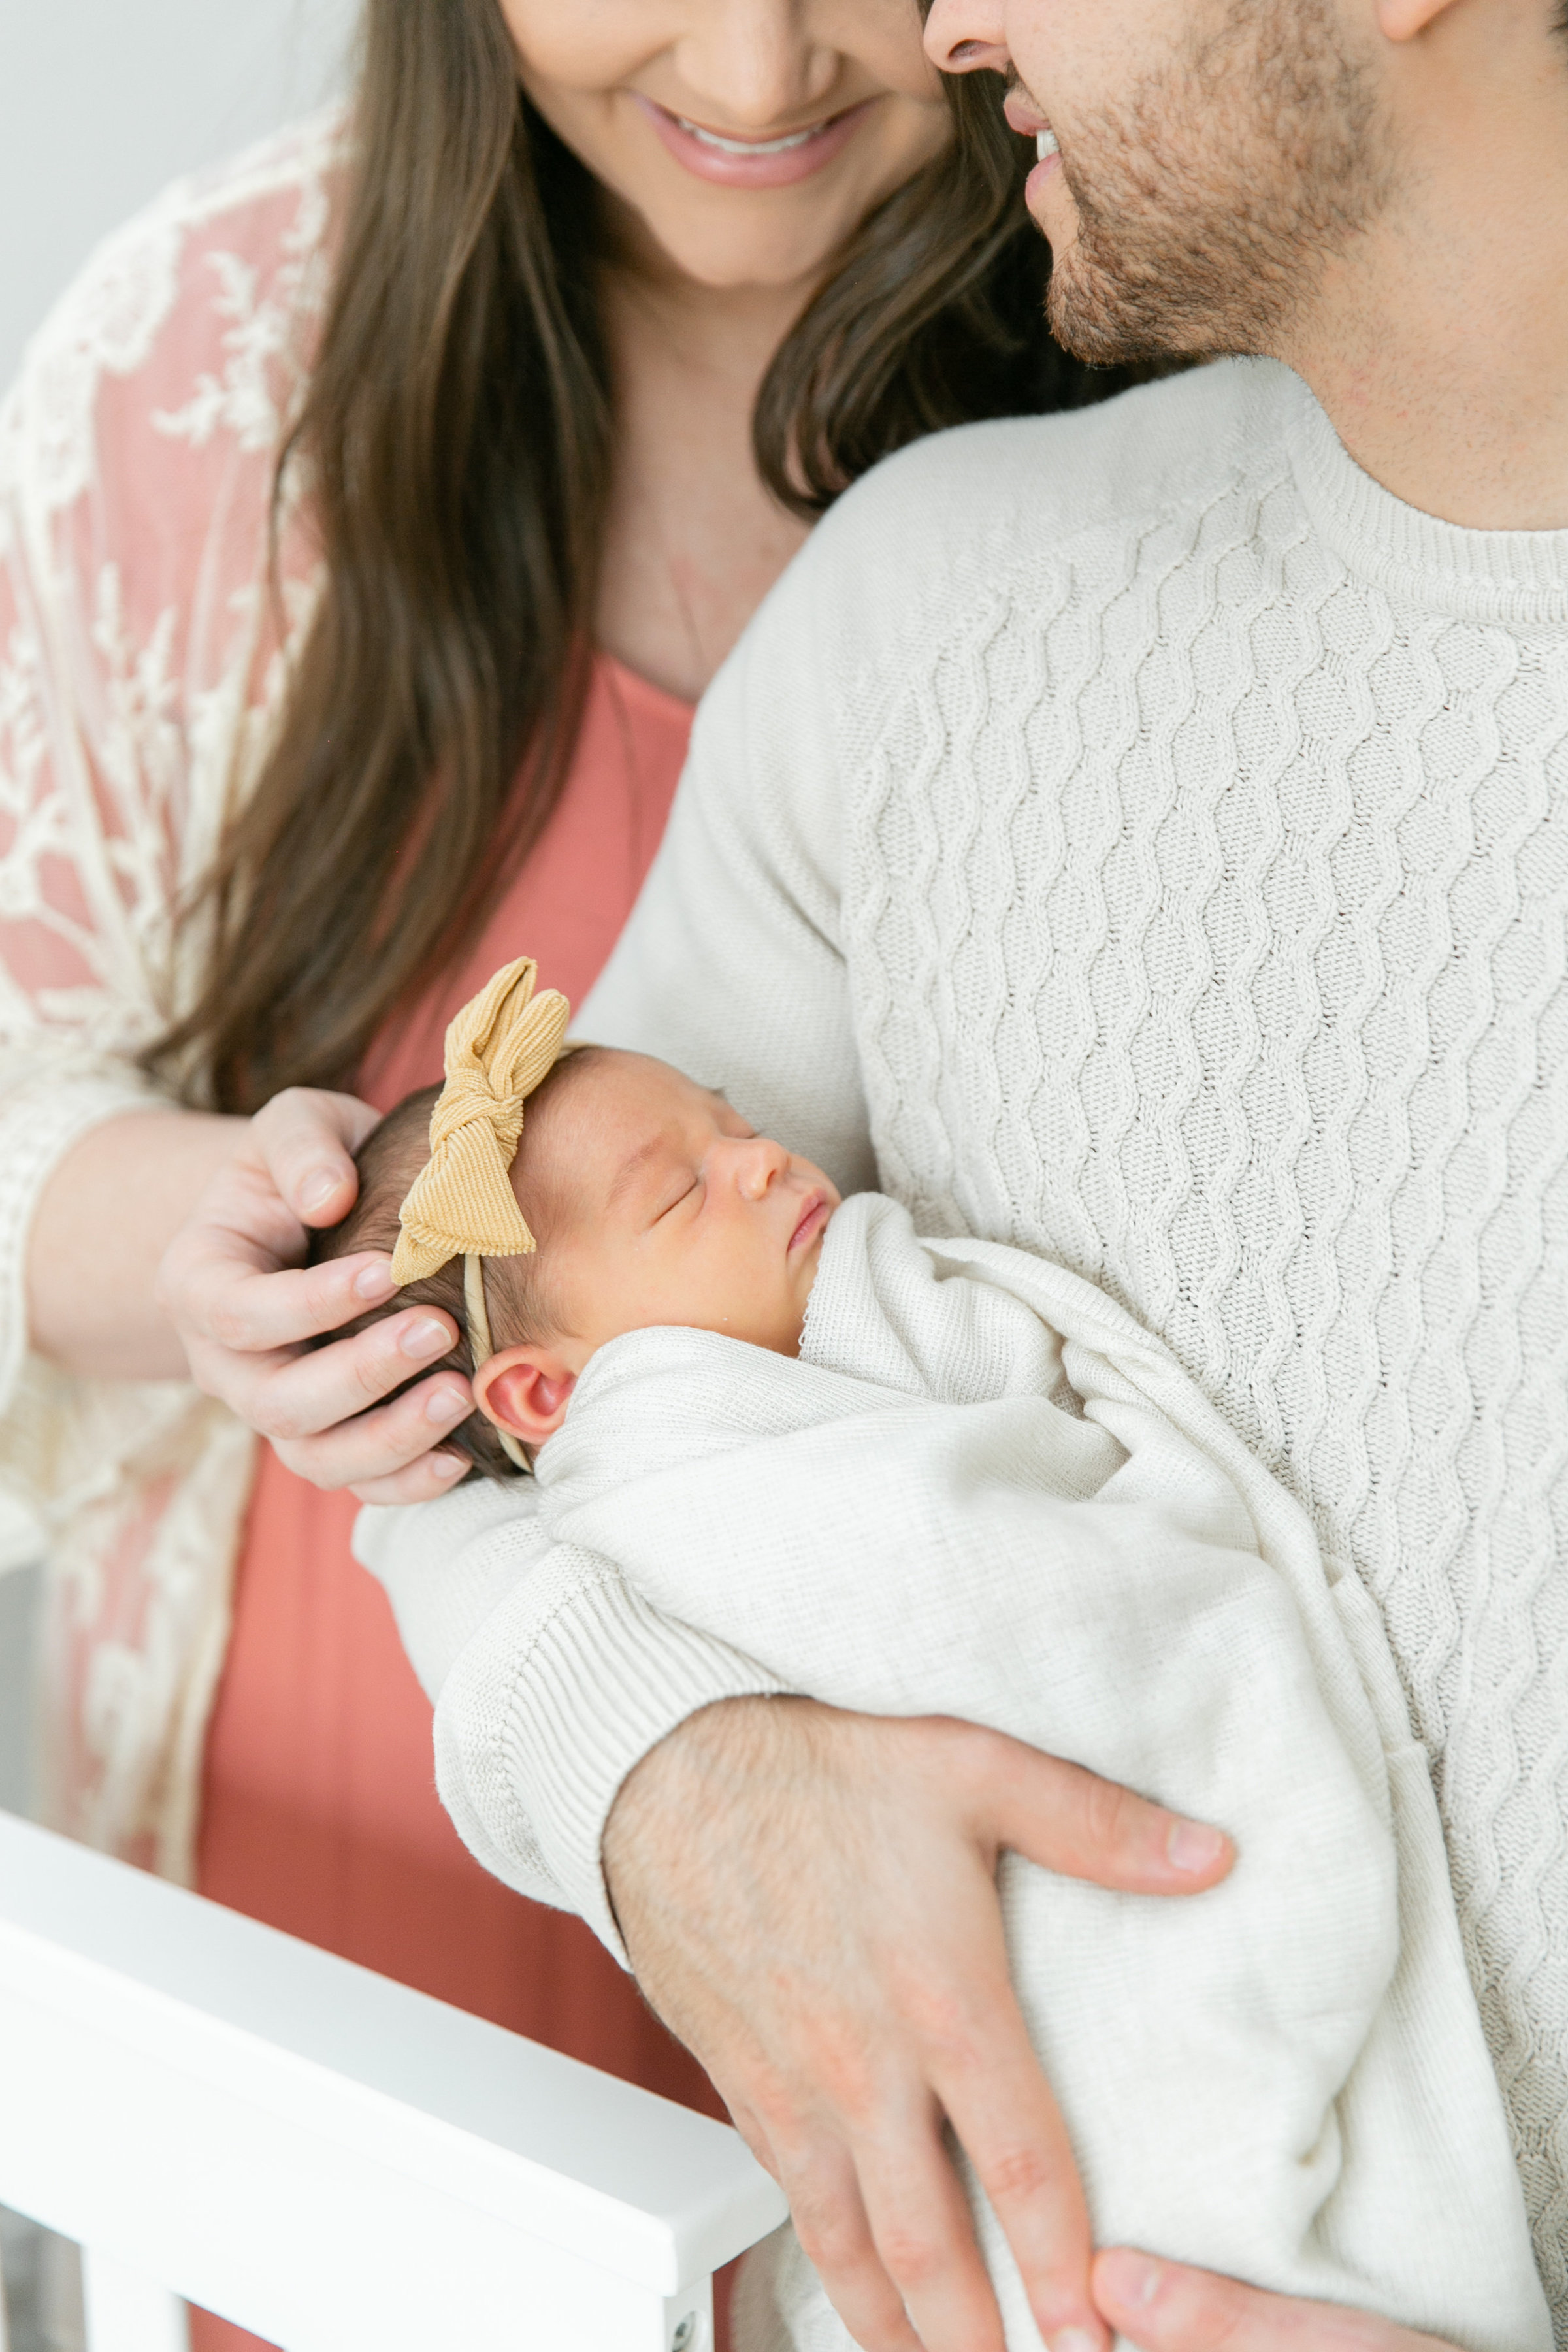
(371, 516)
(744, 108)
(600, 327)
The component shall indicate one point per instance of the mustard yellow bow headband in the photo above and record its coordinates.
(502, 1045)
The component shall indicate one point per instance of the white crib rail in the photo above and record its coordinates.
(220, 2112)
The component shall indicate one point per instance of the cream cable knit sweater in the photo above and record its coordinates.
(1137, 836)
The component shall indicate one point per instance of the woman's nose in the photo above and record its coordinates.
(755, 63)
(968, 37)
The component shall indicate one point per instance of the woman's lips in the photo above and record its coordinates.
(817, 1213)
(731, 162)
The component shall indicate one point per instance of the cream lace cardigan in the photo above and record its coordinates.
(139, 663)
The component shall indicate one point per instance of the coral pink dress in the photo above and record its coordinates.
(320, 1811)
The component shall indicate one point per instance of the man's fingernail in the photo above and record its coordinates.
(375, 1282)
(317, 1190)
(448, 1465)
(1193, 1845)
(1075, 2339)
(446, 1405)
(425, 1338)
(1132, 2278)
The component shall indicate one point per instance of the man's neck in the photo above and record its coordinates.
(1439, 346)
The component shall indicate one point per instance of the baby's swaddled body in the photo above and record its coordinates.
(982, 1490)
(947, 1478)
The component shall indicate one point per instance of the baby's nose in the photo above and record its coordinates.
(760, 1160)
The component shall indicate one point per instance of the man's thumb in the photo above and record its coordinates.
(1070, 1820)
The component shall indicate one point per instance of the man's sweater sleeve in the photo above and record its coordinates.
(550, 1678)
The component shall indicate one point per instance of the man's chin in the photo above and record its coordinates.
(1086, 311)
(1093, 317)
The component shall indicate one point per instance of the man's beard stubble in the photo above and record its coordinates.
(1209, 201)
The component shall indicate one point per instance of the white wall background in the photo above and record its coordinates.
(103, 101)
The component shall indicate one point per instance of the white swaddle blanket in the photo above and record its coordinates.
(984, 1491)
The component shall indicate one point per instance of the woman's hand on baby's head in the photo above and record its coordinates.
(246, 1309)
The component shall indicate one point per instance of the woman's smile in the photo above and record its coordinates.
(734, 161)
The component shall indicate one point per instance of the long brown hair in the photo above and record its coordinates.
(456, 438)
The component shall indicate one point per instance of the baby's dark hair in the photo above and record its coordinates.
(522, 1301)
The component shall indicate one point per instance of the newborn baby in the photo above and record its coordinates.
(653, 1203)
(913, 1477)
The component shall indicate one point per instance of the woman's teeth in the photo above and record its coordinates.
(1047, 143)
(750, 146)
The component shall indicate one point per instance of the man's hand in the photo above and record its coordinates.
(245, 1307)
(1168, 2307)
(809, 1900)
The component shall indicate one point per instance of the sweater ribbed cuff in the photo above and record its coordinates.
(603, 1680)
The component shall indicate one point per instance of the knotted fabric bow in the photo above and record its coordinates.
(500, 1047)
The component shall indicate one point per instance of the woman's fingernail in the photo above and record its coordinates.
(375, 1282)
(425, 1338)
(317, 1190)
(1194, 1846)
(446, 1405)
(1075, 2339)
(448, 1464)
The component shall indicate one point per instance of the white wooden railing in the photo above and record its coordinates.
(218, 2113)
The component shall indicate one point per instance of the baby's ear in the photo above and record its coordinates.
(526, 1392)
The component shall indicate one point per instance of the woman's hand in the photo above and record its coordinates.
(233, 1284)
(1168, 2307)
(809, 1900)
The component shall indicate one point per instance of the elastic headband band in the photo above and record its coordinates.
(500, 1048)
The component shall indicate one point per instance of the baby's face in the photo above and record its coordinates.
(672, 1211)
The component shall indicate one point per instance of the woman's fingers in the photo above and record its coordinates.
(250, 1309)
(287, 1396)
(246, 1309)
(421, 1482)
(379, 1446)
(349, 1451)
(1070, 1820)
(307, 1140)
(1166, 2306)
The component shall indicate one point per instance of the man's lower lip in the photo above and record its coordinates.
(780, 168)
(1040, 177)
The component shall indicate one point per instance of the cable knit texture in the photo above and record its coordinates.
(1137, 836)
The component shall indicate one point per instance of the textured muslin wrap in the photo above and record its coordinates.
(984, 1490)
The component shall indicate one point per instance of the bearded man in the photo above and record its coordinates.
(1142, 835)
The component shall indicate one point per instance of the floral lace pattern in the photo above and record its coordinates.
(139, 673)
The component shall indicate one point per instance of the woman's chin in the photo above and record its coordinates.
(760, 245)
